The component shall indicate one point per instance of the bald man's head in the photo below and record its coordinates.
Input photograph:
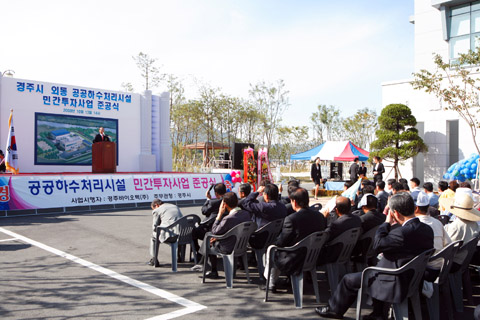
(343, 205)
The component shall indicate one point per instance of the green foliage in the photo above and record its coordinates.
(360, 128)
(328, 124)
(324, 122)
(149, 72)
(397, 137)
(271, 100)
(290, 140)
(457, 86)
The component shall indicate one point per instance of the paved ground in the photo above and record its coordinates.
(92, 265)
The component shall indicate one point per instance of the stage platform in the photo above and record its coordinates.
(44, 193)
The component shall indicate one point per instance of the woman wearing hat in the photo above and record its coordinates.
(464, 226)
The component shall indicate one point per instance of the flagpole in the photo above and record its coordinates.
(11, 155)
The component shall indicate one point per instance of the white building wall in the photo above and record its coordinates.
(429, 39)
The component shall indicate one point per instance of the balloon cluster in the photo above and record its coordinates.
(463, 169)
(236, 176)
(231, 179)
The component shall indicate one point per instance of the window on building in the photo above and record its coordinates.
(464, 31)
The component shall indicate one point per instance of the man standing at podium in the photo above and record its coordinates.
(101, 136)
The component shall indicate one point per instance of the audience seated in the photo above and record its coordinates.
(296, 227)
(369, 215)
(269, 210)
(164, 214)
(209, 210)
(389, 186)
(398, 245)
(243, 191)
(382, 195)
(229, 216)
(415, 188)
(432, 197)
(291, 190)
(440, 237)
(464, 226)
(345, 221)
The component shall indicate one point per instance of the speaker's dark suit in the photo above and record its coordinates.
(380, 171)
(296, 227)
(398, 245)
(346, 222)
(99, 138)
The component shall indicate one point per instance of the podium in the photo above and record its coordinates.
(104, 157)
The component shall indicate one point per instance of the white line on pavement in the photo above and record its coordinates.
(190, 306)
(11, 239)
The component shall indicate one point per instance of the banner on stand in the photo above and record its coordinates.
(48, 191)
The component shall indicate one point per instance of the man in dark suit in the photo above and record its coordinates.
(378, 169)
(296, 227)
(268, 210)
(316, 175)
(369, 216)
(354, 170)
(382, 195)
(243, 191)
(209, 208)
(223, 223)
(399, 245)
(362, 171)
(345, 221)
(101, 136)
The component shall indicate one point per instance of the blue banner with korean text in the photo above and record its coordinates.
(48, 191)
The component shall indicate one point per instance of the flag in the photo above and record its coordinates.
(351, 192)
(11, 157)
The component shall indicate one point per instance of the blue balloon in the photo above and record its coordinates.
(461, 178)
(228, 177)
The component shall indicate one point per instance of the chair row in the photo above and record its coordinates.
(446, 283)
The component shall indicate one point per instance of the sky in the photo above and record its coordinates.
(327, 52)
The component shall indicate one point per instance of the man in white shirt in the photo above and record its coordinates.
(415, 188)
(440, 237)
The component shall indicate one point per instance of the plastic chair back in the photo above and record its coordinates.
(272, 229)
(447, 254)
(185, 227)
(467, 250)
(242, 233)
(366, 243)
(347, 240)
(314, 244)
(415, 268)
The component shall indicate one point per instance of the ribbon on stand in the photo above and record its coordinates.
(263, 167)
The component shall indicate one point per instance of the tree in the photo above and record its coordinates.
(176, 89)
(272, 101)
(324, 122)
(127, 87)
(397, 137)
(360, 128)
(455, 85)
(290, 140)
(149, 72)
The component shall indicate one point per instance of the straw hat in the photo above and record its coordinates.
(461, 206)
